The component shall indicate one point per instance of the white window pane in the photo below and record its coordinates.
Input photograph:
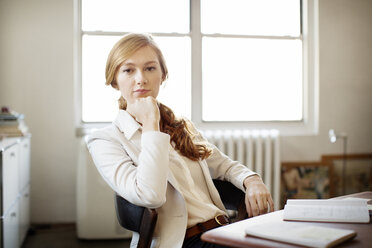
(176, 91)
(252, 79)
(136, 16)
(100, 101)
(251, 17)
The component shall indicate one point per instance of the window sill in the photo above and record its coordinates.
(298, 128)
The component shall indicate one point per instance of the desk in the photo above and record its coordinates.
(234, 236)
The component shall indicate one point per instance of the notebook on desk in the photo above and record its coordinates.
(300, 234)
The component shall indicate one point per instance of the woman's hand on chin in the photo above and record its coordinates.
(146, 111)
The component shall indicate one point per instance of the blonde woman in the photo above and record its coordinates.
(155, 160)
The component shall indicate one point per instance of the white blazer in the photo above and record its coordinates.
(136, 166)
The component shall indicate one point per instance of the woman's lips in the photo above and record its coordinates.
(141, 91)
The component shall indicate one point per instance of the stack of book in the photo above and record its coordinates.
(12, 124)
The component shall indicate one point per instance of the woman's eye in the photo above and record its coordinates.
(127, 70)
(151, 68)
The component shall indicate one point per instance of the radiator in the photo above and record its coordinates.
(259, 150)
(95, 208)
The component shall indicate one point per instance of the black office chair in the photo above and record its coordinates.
(143, 220)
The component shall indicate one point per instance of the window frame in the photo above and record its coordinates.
(309, 36)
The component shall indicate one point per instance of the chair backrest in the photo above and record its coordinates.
(143, 220)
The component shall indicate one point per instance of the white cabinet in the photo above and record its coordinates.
(14, 190)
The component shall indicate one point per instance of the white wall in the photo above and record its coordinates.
(36, 78)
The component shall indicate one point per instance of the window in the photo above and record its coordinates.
(104, 22)
(259, 47)
(232, 63)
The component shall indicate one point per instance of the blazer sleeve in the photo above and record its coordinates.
(220, 165)
(224, 168)
(144, 183)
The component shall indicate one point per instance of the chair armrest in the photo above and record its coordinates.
(148, 223)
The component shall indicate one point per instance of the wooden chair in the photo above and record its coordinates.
(143, 220)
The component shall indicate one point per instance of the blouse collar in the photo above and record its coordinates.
(127, 124)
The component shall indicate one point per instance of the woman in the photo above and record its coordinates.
(155, 160)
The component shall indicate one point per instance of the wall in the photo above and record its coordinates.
(36, 78)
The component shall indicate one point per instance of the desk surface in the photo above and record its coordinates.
(234, 235)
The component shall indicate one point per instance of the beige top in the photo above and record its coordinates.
(193, 187)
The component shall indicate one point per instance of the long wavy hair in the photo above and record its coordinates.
(180, 130)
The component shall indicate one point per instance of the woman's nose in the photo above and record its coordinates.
(140, 78)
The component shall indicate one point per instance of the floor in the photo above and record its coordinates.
(64, 235)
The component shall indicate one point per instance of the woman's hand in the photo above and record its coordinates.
(257, 197)
(146, 111)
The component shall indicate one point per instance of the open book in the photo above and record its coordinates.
(355, 211)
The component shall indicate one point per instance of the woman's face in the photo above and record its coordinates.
(140, 75)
